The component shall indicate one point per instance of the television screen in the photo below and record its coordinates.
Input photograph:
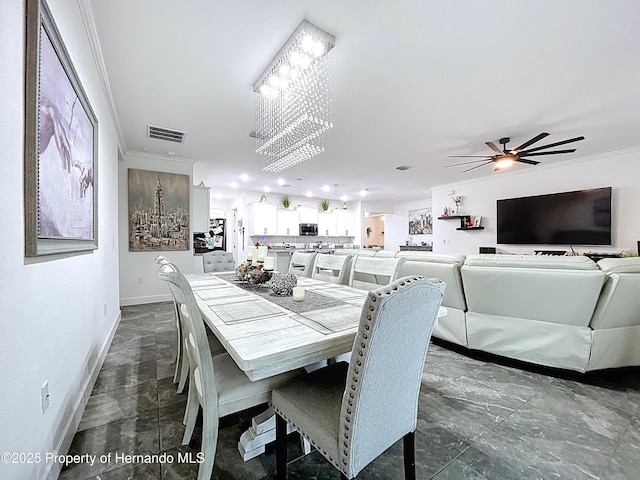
(568, 218)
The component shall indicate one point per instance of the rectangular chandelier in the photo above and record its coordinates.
(293, 99)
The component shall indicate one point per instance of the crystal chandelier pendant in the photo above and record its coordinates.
(293, 100)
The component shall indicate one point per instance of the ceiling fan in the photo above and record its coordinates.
(504, 157)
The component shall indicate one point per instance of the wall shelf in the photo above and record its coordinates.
(464, 220)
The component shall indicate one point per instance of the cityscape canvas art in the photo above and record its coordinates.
(420, 222)
(158, 211)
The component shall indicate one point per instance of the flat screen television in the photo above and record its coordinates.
(569, 218)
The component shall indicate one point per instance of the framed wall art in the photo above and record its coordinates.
(158, 211)
(420, 222)
(61, 144)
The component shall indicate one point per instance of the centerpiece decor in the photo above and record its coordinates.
(253, 273)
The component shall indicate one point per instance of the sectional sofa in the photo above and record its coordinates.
(558, 311)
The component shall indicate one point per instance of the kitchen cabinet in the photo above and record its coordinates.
(200, 222)
(264, 219)
(345, 223)
(287, 222)
(307, 215)
(326, 224)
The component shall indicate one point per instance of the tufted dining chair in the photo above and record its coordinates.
(301, 263)
(351, 413)
(331, 268)
(368, 273)
(218, 261)
(216, 383)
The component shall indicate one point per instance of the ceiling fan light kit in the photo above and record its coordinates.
(504, 157)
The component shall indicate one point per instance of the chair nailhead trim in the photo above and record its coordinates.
(371, 307)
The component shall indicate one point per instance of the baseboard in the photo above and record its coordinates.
(73, 420)
(125, 302)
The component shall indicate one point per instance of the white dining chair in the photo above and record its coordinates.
(368, 273)
(351, 413)
(181, 372)
(216, 383)
(331, 268)
(301, 263)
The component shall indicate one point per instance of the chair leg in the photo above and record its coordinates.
(281, 448)
(343, 477)
(409, 447)
(210, 423)
(184, 371)
(190, 414)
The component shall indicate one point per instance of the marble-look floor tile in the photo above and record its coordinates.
(625, 462)
(497, 456)
(125, 402)
(131, 436)
(165, 368)
(168, 394)
(139, 471)
(458, 470)
(125, 376)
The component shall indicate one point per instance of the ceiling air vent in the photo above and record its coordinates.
(167, 134)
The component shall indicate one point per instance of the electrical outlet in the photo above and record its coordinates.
(44, 396)
(139, 280)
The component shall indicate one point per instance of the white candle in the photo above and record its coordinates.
(269, 263)
(262, 253)
(254, 254)
(298, 294)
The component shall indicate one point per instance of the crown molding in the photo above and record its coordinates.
(160, 157)
(90, 27)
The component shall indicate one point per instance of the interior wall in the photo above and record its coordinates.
(139, 282)
(59, 311)
(618, 170)
(397, 225)
(376, 236)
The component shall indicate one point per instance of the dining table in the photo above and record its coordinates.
(268, 334)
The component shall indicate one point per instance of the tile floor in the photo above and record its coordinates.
(479, 418)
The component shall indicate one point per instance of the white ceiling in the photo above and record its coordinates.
(413, 82)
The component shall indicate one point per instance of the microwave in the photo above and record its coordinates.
(309, 229)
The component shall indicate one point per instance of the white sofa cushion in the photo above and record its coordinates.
(561, 290)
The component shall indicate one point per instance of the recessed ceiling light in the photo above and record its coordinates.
(266, 189)
(244, 177)
(309, 193)
(281, 182)
(233, 184)
(403, 167)
(326, 188)
(344, 198)
(363, 192)
(171, 154)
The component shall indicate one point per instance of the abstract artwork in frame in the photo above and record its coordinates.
(420, 222)
(158, 211)
(61, 141)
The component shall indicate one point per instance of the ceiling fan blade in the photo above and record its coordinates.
(466, 163)
(554, 152)
(493, 147)
(526, 160)
(470, 156)
(571, 140)
(477, 166)
(535, 139)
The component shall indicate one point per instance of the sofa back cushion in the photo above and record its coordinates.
(544, 288)
(619, 303)
(444, 266)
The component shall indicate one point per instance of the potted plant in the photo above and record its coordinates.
(285, 200)
(325, 204)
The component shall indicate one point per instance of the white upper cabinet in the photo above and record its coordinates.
(264, 219)
(200, 222)
(287, 222)
(345, 223)
(307, 215)
(326, 224)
